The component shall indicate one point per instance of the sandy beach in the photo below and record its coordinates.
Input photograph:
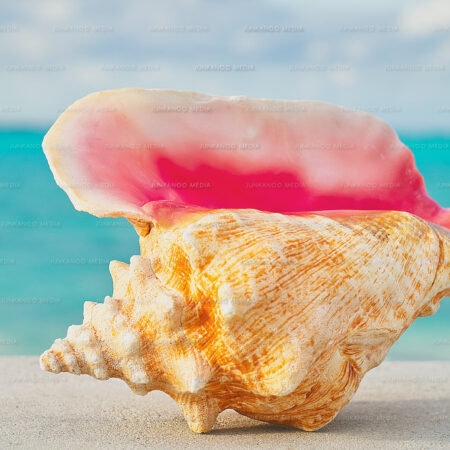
(399, 405)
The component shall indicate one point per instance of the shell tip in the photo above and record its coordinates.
(200, 412)
(49, 362)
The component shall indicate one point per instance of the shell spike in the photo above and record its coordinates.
(200, 411)
(120, 274)
(85, 345)
(141, 264)
(88, 309)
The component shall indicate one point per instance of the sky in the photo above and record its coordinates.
(390, 58)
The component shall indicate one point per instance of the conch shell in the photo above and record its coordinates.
(277, 316)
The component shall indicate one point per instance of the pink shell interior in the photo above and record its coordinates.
(122, 152)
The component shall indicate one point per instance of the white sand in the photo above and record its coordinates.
(399, 405)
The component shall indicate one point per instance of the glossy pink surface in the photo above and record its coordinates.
(238, 154)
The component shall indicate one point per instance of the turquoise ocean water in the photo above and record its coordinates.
(53, 258)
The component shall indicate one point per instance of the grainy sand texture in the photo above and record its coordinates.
(399, 405)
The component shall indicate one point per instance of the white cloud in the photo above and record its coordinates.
(426, 17)
(32, 45)
(55, 10)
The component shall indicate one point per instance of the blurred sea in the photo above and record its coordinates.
(53, 258)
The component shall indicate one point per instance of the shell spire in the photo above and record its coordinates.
(64, 355)
(97, 347)
(125, 337)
